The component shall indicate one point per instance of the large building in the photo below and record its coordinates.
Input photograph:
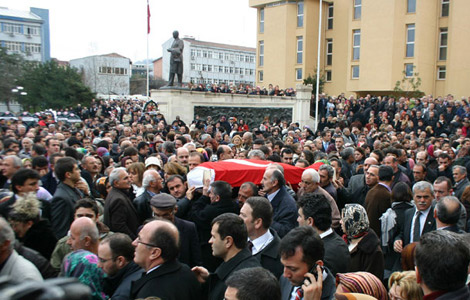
(366, 45)
(26, 33)
(207, 63)
(107, 74)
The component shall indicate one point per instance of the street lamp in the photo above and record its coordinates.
(19, 91)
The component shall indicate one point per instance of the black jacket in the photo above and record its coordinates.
(216, 281)
(270, 258)
(171, 281)
(336, 253)
(190, 250)
(284, 212)
(118, 287)
(40, 238)
(63, 208)
(368, 256)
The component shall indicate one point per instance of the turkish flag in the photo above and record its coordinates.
(148, 17)
(238, 171)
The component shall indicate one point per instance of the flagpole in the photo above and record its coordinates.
(147, 61)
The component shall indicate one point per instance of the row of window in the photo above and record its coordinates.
(298, 75)
(221, 55)
(222, 69)
(17, 47)
(410, 8)
(409, 71)
(19, 29)
(218, 81)
(410, 43)
(112, 70)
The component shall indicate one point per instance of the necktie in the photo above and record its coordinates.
(417, 228)
(299, 294)
(250, 246)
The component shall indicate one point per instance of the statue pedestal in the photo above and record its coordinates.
(176, 88)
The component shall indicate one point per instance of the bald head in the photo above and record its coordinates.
(84, 235)
(369, 162)
(182, 156)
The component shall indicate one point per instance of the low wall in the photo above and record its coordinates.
(252, 108)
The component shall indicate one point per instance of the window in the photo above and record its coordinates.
(409, 70)
(209, 54)
(231, 70)
(355, 72)
(261, 20)
(443, 44)
(300, 14)
(411, 7)
(445, 8)
(441, 72)
(300, 42)
(13, 46)
(193, 52)
(330, 16)
(11, 28)
(204, 53)
(261, 53)
(199, 53)
(226, 70)
(209, 68)
(328, 75)
(410, 40)
(32, 30)
(193, 67)
(298, 74)
(356, 44)
(204, 68)
(329, 52)
(357, 9)
(260, 76)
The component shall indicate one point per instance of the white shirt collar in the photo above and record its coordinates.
(272, 195)
(326, 233)
(261, 242)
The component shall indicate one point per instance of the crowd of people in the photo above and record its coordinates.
(380, 208)
(243, 89)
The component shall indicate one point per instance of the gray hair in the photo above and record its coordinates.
(115, 175)
(256, 154)
(189, 144)
(6, 233)
(462, 169)
(90, 230)
(422, 186)
(16, 160)
(312, 173)
(347, 152)
(329, 169)
(149, 177)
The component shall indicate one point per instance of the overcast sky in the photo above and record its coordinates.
(81, 28)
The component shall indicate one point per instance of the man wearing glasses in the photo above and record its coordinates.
(156, 251)
(116, 259)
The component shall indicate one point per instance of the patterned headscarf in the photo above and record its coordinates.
(355, 220)
(363, 283)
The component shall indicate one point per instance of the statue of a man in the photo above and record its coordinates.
(176, 59)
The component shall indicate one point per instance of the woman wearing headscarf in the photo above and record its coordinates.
(360, 283)
(363, 243)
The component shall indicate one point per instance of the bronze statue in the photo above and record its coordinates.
(176, 59)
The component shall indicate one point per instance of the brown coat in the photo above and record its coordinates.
(378, 200)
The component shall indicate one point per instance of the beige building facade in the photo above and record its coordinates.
(366, 45)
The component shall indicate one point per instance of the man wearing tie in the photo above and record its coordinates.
(418, 220)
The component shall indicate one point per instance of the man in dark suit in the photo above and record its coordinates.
(50, 181)
(116, 259)
(301, 254)
(378, 198)
(228, 241)
(210, 205)
(315, 211)
(284, 209)
(120, 214)
(65, 196)
(418, 220)
(153, 184)
(447, 214)
(156, 251)
(164, 206)
(263, 242)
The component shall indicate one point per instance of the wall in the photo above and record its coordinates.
(172, 103)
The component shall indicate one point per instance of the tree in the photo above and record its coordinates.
(313, 81)
(10, 71)
(51, 86)
(138, 84)
(408, 86)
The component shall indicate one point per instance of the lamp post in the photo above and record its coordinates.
(19, 91)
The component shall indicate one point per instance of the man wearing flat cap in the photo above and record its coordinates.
(164, 206)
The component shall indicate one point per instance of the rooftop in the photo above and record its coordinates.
(11, 13)
(218, 45)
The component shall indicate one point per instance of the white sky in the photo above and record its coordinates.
(81, 28)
